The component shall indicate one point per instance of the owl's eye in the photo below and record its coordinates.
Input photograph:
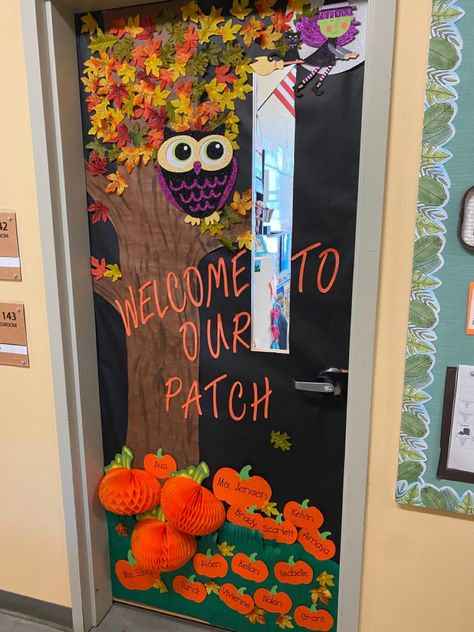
(179, 154)
(216, 152)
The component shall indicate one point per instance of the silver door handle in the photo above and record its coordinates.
(328, 382)
(316, 387)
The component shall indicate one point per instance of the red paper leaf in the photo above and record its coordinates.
(98, 268)
(97, 165)
(224, 76)
(100, 212)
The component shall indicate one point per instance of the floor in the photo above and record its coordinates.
(119, 619)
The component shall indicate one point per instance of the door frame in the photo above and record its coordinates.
(51, 67)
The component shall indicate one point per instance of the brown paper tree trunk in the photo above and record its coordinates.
(154, 240)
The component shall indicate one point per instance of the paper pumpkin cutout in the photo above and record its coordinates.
(133, 576)
(283, 531)
(189, 506)
(292, 572)
(317, 544)
(245, 517)
(248, 567)
(209, 565)
(236, 598)
(302, 515)
(127, 491)
(159, 464)
(272, 600)
(240, 488)
(189, 589)
(157, 545)
(313, 619)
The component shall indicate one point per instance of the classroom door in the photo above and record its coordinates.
(222, 148)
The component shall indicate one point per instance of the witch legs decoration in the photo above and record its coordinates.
(317, 86)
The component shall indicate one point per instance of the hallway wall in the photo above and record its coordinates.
(32, 531)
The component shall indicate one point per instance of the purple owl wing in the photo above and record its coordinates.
(310, 32)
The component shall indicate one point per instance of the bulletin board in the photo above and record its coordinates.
(439, 343)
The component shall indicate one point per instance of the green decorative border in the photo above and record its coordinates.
(433, 195)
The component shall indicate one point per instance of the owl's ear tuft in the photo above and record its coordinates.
(168, 133)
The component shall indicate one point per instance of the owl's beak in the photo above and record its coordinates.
(197, 167)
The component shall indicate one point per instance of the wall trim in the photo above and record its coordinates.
(51, 614)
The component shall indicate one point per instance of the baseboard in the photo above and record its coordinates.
(41, 611)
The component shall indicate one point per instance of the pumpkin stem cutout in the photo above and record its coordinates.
(127, 491)
(191, 508)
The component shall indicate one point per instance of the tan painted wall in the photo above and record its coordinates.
(32, 534)
(417, 565)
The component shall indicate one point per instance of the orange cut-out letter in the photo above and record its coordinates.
(193, 396)
(240, 330)
(182, 330)
(304, 255)
(159, 311)
(324, 256)
(217, 273)
(197, 302)
(237, 272)
(130, 311)
(213, 385)
(177, 309)
(170, 393)
(231, 401)
(264, 399)
(219, 336)
(143, 302)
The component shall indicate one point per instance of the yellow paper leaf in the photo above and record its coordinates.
(113, 272)
(325, 579)
(130, 156)
(284, 621)
(229, 32)
(265, 7)
(296, 6)
(240, 9)
(159, 96)
(117, 184)
(161, 586)
(133, 27)
(191, 11)
(89, 24)
(210, 24)
(127, 73)
(153, 65)
(244, 240)
(270, 509)
(226, 549)
(242, 203)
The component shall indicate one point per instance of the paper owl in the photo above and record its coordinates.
(197, 171)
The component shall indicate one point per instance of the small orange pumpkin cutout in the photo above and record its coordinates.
(248, 567)
(159, 464)
(283, 531)
(127, 491)
(302, 515)
(189, 588)
(245, 517)
(189, 506)
(133, 576)
(235, 598)
(240, 488)
(314, 619)
(292, 572)
(317, 544)
(209, 565)
(272, 600)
